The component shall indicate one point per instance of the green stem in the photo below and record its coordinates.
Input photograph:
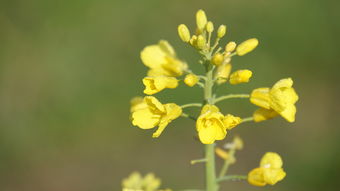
(248, 119)
(231, 96)
(188, 116)
(210, 172)
(232, 177)
(191, 105)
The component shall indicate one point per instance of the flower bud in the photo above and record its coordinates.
(240, 76)
(247, 46)
(200, 42)
(184, 33)
(201, 19)
(221, 31)
(193, 40)
(230, 46)
(191, 80)
(217, 59)
(222, 73)
(210, 27)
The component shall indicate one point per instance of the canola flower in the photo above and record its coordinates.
(269, 172)
(167, 71)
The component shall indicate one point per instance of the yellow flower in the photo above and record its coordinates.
(222, 73)
(269, 172)
(162, 60)
(156, 84)
(231, 121)
(210, 125)
(135, 182)
(240, 76)
(155, 114)
(247, 46)
(191, 80)
(184, 32)
(281, 98)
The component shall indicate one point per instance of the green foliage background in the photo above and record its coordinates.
(68, 69)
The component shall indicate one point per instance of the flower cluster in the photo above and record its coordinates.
(166, 71)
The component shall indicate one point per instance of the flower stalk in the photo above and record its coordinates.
(210, 172)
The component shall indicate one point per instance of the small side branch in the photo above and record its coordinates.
(247, 119)
(198, 161)
(191, 105)
(188, 116)
(230, 96)
(232, 177)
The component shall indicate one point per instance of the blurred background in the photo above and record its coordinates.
(68, 69)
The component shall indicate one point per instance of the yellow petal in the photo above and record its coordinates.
(221, 131)
(167, 48)
(173, 111)
(145, 119)
(271, 160)
(137, 103)
(272, 176)
(256, 177)
(207, 135)
(289, 113)
(260, 97)
(262, 114)
(154, 105)
(209, 108)
(283, 83)
(153, 56)
(174, 67)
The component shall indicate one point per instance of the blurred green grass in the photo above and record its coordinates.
(69, 68)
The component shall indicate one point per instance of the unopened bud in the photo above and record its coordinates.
(221, 31)
(240, 76)
(217, 59)
(247, 46)
(222, 73)
(193, 40)
(201, 19)
(200, 42)
(210, 27)
(230, 46)
(184, 33)
(191, 80)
